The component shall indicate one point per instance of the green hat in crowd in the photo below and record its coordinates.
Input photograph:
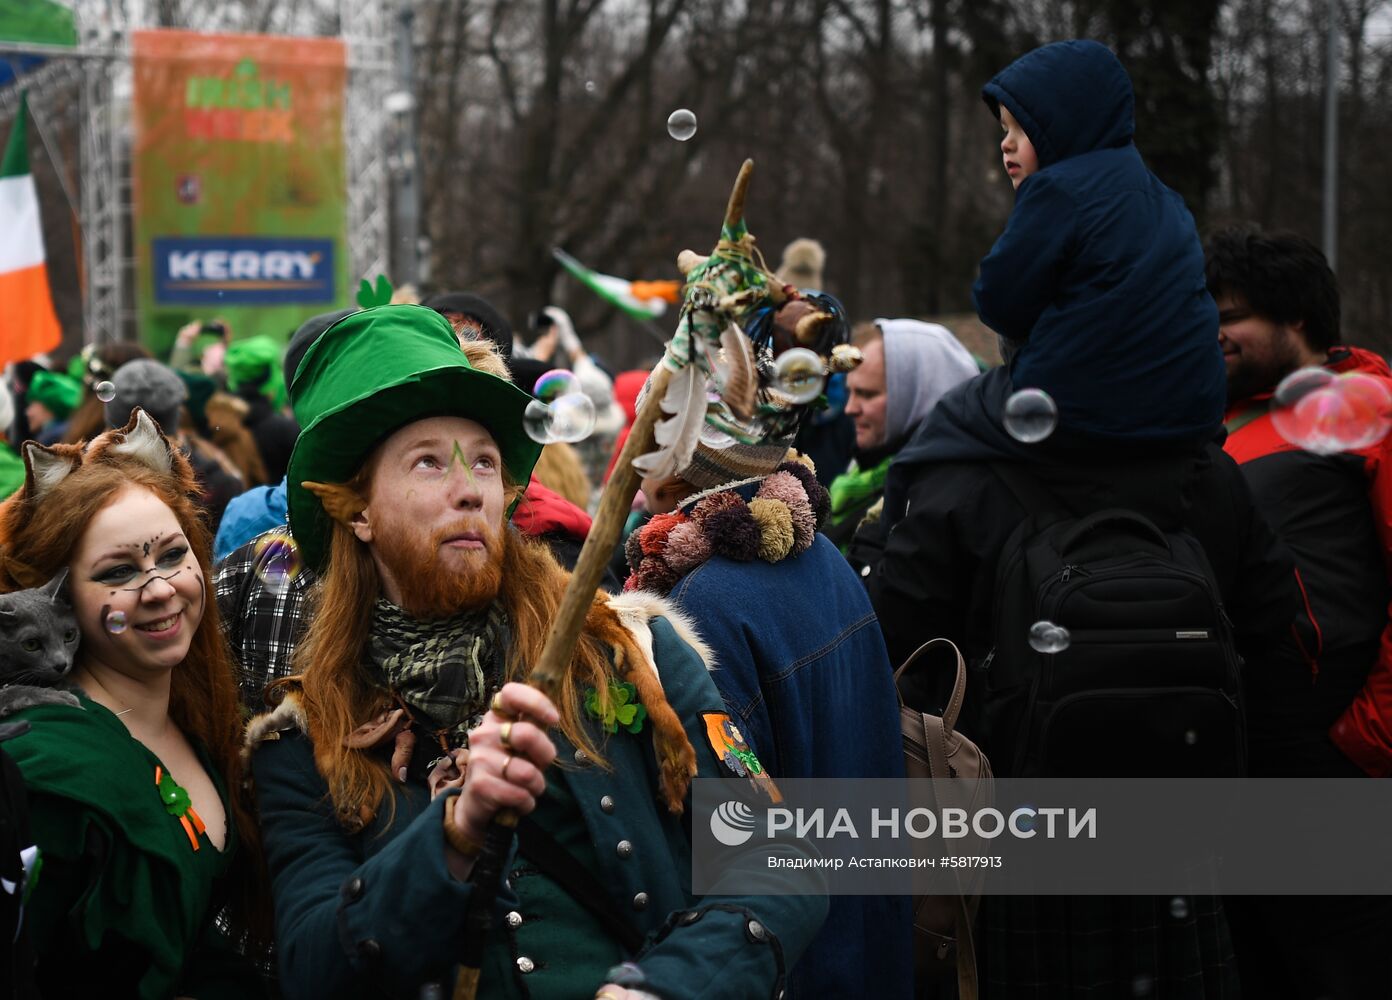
(256, 362)
(372, 373)
(59, 392)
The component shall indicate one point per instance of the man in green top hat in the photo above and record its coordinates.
(51, 398)
(405, 730)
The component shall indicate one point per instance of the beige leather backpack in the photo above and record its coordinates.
(933, 749)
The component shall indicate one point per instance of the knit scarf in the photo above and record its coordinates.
(444, 670)
(852, 488)
(781, 521)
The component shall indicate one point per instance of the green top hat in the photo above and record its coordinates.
(372, 373)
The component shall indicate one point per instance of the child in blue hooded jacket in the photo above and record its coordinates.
(1098, 279)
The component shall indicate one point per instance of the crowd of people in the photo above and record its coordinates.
(268, 609)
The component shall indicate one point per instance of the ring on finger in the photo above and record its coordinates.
(505, 735)
(506, 764)
(497, 704)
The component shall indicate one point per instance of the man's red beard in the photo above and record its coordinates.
(428, 586)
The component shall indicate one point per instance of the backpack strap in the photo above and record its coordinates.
(1252, 412)
(967, 985)
(959, 687)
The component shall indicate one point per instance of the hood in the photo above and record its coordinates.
(921, 362)
(1357, 359)
(1070, 98)
(1341, 359)
(545, 512)
(264, 502)
(967, 425)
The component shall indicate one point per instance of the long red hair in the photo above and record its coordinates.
(37, 537)
(339, 696)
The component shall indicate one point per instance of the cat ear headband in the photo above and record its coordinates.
(140, 441)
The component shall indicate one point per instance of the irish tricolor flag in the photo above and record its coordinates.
(640, 299)
(28, 325)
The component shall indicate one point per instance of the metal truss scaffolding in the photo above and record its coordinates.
(95, 78)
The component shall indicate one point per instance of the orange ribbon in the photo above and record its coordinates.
(191, 822)
(190, 827)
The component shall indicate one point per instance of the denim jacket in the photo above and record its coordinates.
(801, 663)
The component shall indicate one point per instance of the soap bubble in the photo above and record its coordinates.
(574, 417)
(105, 391)
(1324, 413)
(799, 374)
(567, 419)
(116, 622)
(556, 383)
(278, 563)
(536, 421)
(1030, 415)
(1190, 737)
(681, 124)
(1046, 637)
(1179, 908)
(1370, 402)
(589, 86)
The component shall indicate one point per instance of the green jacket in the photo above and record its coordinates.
(123, 905)
(377, 913)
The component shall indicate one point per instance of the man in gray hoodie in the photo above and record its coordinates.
(908, 366)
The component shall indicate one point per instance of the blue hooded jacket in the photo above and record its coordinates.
(1099, 274)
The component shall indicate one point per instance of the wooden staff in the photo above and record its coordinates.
(615, 503)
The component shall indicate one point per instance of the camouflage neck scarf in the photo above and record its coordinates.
(444, 670)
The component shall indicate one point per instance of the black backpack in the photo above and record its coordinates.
(1149, 682)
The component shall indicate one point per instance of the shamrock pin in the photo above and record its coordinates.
(176, 800)
(623, 708)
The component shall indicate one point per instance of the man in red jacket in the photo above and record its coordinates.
(1323, 706)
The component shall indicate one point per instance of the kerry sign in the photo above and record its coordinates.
(240, 181)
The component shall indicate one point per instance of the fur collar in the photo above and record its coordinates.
(289, 714)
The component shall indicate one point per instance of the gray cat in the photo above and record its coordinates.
(38, 643)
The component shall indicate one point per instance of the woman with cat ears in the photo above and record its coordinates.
(136, 793)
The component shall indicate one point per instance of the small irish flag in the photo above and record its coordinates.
(640, 299)
(28, 325)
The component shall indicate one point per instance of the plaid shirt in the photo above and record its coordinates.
(262, 611)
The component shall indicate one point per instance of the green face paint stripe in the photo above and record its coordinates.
(458, 454)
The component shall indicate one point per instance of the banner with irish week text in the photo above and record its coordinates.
(240, 184)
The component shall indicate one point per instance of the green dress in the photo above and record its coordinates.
(123, 904)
